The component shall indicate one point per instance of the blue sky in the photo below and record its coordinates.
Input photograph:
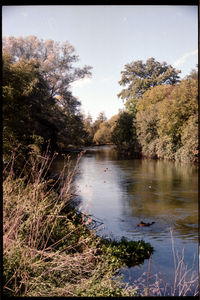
(107, 37)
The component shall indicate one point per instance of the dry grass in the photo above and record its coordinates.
(185, 280)
(47, 249)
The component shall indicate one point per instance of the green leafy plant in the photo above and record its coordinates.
(128, 252)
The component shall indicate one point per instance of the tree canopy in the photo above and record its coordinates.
(38, 105)
(140, 77)
(124, 133)
(166, 121)
(55, 61)
(161, 112)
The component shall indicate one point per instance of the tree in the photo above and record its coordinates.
(177, 113)
(103, 134)
(147, 118)
(113, 121)
(88, 127)
(139, 77)
(124, 133)
(188, 152)
(193, 74)
(25, 95)
(59, 115)
(100, 119)
(55, 63)
(166, 121)
(38, 106)
(154, 95)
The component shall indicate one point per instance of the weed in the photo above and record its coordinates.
(48, 249)
(184, 281)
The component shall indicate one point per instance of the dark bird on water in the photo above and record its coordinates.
(145, 224)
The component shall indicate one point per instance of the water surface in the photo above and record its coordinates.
(123, 192)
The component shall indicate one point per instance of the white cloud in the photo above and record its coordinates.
(81, 82)
(184, 57)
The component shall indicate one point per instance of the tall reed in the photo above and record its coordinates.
(185, 281)
(47, 248)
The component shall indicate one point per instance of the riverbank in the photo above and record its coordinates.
(50, 249)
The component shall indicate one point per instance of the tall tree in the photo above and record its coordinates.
(124, 133)
(166, 121)
(88, 126)
(139, 77)
(55, 62)
(38, 104)
(100, 119)
(147, 119)
(25, 96)
(103, 134)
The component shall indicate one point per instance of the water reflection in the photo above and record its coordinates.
(127, 191)
(122, 192)
(162, 191)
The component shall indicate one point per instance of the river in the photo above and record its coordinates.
(122, 192)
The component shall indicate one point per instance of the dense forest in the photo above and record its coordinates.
(49, 249)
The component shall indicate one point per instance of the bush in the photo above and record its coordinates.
(166, 122)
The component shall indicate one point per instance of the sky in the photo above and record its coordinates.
(107, 37)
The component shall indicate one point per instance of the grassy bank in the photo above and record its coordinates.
(48, 248)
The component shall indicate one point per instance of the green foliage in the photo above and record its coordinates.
(103, 129)
(97, 132)
(129, 252)
(55, 59)
(147, 118)
(166, 121)
(153, 95)
(140, 77)
(100, 119)
(103, 134)
(159, 107)
(124, 133)
(106, 288)
(38, 106)
(89, 130)
(188, 152)
(23, 87)
(175, 114)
